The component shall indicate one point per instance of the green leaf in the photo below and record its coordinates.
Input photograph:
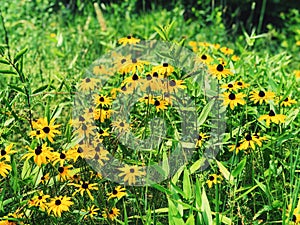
(8, 72)
(239, 168)
(226, 174)
(187, 188)
(205, 208)
(4, 61)
(26, 170)
(20, 54)
(40, 89)
(204, 113)
(190, 220)
(18, 89)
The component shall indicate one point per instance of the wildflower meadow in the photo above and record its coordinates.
(149, 112)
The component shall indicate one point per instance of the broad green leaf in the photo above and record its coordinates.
(8, 72)
(187, 188)
(205, 208)
(239, 168)
(40, 89)
(226, 174)
(204, 113)
(26, 170)
(196, 165)
(16, 88)
(190, 220)
(4, 61)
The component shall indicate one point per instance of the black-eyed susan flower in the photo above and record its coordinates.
(45, 178)
(272, 117)
(230, 86)
(85, 130)
(213, 179)
(160, 104)
(163, 70)
(204, 58)
(111, 214)
(83, 187)
(6, 152)
(237, 148)
(216, 46)
(204, 44)
(227, 51)
(173, 85)
(102, 114)
(130, 173)
(74, 152)
(241, 84)
(250, 141)
(88, 84)
(219, 71)
(101, 70)
(128, 40)
(91, 211)
(235, 58)
(47, 129)
(41, 154)
(103, 133)
(232, 99)
(102, 100)
(4, 168)
(201, 139)
(59, 204)
(297, 74)
(287, 102)
(194, 45)
(133, 66)
(121, 125)
(60, 158)
(64, 173)
(118, 192)
(261, 96)
(295, 219)
(39, 200)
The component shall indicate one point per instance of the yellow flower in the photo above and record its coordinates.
(85, 187)
(160, 104)
(88, 84)
(171, 86)
(163, 70)
(260, 96)
(227, 51)
(118, 192)
(236, 148)
(201, 138)
(4, 168)
(64, 172)
(298, 43)
(297, 74)
(102, 100)
(235, 58)
(7, 152)
(39, 201)
(46, 129)
(91, 211)
(121, 125)
(130, 173)
(213, 179)
(232, 99)
(40, 155)
(272, 117)
(241, 84)
(288, 102)
(204, 58)
(251, 141)
(128, 40)
(219, 71)
(111, 214)
(58, 205)
(230, 87)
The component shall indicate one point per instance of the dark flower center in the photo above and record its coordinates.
(38, 150)
(57, 202)
(231, 96)
(46, 130)
(131, 170)
(294, 218)
(123, 61)
(123, 88)
(81, 118)
(62, 156)
(238, 145)
(200, 138)
(204, 57)
(115, 192)
(90, 110)
(220, 67)
(211, 178)
(101, 131)
(43, 178)
(239, 83)
(121, 124)
(261, 94)
(96, 157)
(172, 83)
(79, 150)
(84, 185)
(87, 80)
(129, 37)
(40, 197)
(3, 152)
(60, 169)
(148, 77)
(230, 85)
(38, 132)
(134, 60)
(101, 99)
(84, 127)
(248, 137)
(271, 113)
(156, 103)
(135, 77)
(155, 74)
(111, 212)
(165, 64)
(286, 100)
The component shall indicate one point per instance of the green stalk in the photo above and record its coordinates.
(261, 16)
